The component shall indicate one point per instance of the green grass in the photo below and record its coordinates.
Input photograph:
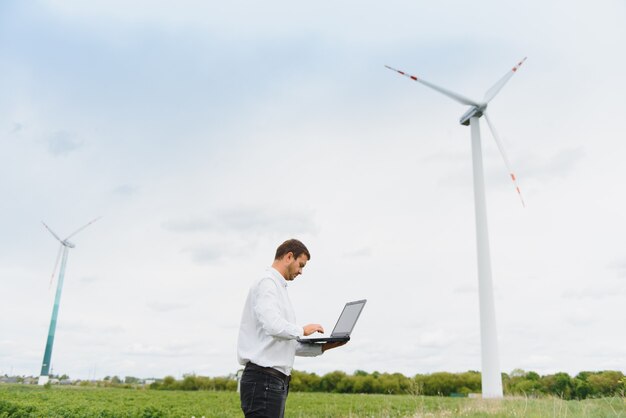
(68, 402)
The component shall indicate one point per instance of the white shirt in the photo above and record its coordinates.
(268, 330)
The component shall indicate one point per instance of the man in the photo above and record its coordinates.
(267, 335)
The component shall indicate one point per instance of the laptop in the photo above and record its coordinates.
(343, 327)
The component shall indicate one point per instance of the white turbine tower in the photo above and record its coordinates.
(491, 377)
(63, 249)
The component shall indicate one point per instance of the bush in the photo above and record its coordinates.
(519, 382)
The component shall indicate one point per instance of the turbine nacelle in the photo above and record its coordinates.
(68, 244)
(473, 112)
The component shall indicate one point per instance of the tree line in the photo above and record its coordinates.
(519, 382)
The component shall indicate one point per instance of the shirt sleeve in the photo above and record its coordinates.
(267, 310)
(308, 350)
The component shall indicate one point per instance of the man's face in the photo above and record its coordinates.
(295, 265)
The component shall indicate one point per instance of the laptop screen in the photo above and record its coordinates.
(348, 318)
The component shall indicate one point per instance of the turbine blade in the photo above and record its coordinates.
(81, 228)
(52, 232)
(56, 264)
(504, 157)
(493, 91)
(450, 94)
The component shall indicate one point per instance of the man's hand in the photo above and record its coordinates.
(328, 346)
(311, 328)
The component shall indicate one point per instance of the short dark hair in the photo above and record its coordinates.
(293, 246)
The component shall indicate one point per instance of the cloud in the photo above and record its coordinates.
(262, 221)
(84, 328)
(558, 165)
(126, 190)
(581, 319)
(206, 255)
(188, 225)
(231, 232)
(175, 349)
(160, 306)
(142, 349)
(88, 279)
(594, 293)
(460, 290)
(364, 153)
(8, 345)
(360, 252)
(537, 362)
(17, 127)
(248, 220)
(619, 266)
(435, 339)
(446, 157)
(63, 143)
(214, 252)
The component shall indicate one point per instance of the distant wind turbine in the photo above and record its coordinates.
(491, 377)
(63, 250)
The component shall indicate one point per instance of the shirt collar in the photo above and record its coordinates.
(278, 277)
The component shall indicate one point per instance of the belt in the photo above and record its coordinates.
(268, 370)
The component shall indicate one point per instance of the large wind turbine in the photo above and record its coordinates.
(491, 377)
(62, 254)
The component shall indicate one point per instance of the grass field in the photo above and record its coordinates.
(68, 402)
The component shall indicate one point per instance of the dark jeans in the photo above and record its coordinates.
(263, 395)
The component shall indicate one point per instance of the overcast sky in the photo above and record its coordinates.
(206, 134)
